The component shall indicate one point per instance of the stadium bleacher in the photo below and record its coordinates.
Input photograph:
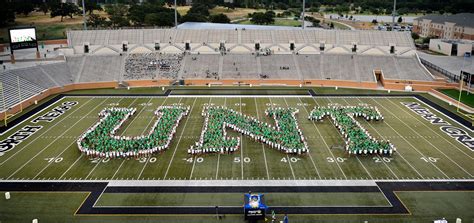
(309, 36)
(338, 65)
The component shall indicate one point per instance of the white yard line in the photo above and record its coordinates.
(123, 132)
(408, 141)
(47, 146)
(59, 155)
(47, 130)
(325, 143)
(357, 157)
(180, 137)
(241, 144)
(428, 127)
(263, 148)
(219, 154)
(287, 157)
(309, 153)
(78, 158)
(143, 132)
(370, 124)
(194, 158)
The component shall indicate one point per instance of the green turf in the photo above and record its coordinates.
(415, 138)
(236, 199)
(60, 207)
(466, 98)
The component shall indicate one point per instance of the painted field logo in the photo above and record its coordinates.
(56, 112)
(357, 139)
(18, 137)
(452, 131)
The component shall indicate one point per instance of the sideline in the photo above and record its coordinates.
(95, 189)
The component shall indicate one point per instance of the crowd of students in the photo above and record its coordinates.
(357, 139)
(286, 136)
(142, 66)
(102, 140)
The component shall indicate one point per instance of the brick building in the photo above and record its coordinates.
(458, 26)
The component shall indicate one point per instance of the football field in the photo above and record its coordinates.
(424, 150)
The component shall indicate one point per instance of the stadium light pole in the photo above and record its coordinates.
(302, 15)
(84, 14)
(175, 15)
(3, 102)
(394, 12)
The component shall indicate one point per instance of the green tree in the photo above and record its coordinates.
(95, 20)
(7, 14)
(149, 13)
(220, 18)
(262, 18)
(64, 9)
(160, 19)
(194, 17)
(117, 14)
(43, 7)
(400, 19)
(92, 5)
(24, 7)
(201, 9)
(415, 36)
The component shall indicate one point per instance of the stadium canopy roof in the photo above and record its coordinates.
(205, 25)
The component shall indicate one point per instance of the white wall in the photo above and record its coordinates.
(437, 45)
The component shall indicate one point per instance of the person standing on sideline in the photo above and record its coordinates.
(285, 219)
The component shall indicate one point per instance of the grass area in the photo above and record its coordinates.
(236, 199)
(466, 97)
(278, 22)
(60, 207)
(46, 27)
(401, 126)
